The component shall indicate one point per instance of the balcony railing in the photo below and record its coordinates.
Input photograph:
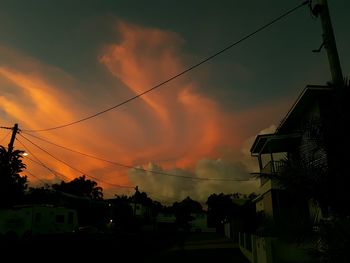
(272, 167)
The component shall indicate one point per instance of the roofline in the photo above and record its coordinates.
(257, 139)
(308, 87)
(258, 198)
(271, 137)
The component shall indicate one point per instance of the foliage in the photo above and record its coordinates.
(304, 181)
(122, 213)
(333, 240)
(41, 195)
(81, 187)
(317, 172)
(183, 212)
(141, 198)
(320, 174)
(12, 185)
(157, 207)
(220, 209)
(224, 208)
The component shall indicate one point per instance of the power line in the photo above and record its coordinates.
(39, 162)
(6, 135)
(74, 168)
(177, 75)
(137, 168)
(79, 152)
(88, 155)
(36, 177)
(54, 172)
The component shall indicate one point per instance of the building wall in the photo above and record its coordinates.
(263, 250)
(280, 206)
(268, 204)
(259, 205)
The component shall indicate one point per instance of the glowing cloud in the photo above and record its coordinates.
(177, 127)
(186, 123)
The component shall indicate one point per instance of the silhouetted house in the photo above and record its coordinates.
(199, 223)
(280, 211)
(142, 210)
(165, 221)
(31, 220)
(166, 218)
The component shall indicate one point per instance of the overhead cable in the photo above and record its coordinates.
(36, 177)
(175, 76)
(6, 135)
(39, 162)
(74, 168)
(139, 168)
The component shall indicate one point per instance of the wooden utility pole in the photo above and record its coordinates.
(329, 42)
(135, 196)
(13, 137)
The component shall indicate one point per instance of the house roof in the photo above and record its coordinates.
(308, 95)
(275, 143)
(282, 140)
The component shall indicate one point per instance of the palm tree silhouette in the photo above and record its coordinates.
(12, 185)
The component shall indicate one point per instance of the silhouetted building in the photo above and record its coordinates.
(297, 138)
(31, 220)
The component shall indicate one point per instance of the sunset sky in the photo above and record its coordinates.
(61, 61)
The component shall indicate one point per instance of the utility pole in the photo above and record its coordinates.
(13, 137)
(135, 197)
(329, 42)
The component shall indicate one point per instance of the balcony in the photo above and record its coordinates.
(272, 167)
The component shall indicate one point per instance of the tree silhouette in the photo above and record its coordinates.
(81, 187)
(141, 198)
(183, 211)
(12, 185)
(221, 209)
(42, 195)
(122, 213)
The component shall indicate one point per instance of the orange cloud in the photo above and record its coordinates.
(35, 99)
(188, 124)
(175, 122)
